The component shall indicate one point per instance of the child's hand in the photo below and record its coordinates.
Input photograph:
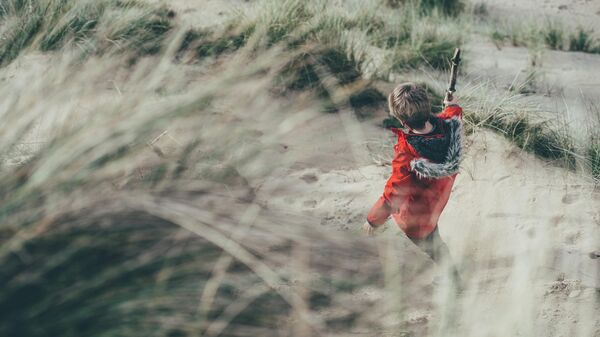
(450, 99)
(368, 229)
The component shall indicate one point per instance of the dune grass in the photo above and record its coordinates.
(121, 234)
(337, 45)
(584, 40)
(412, 35)
(554, 36)
(512, 115)
(522, 122)
(102, 236)
(551, 34)
(448, 7)
(93, 26)
(592, 147)
(593, 156)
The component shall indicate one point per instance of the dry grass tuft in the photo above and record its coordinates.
(95, 27)
(514, 116)
(592, 147)
(345, 45)
(551, 34)
(108, 230)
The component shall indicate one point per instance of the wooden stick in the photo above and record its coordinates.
(453, 73)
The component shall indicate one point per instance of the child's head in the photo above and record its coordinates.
(409, 104)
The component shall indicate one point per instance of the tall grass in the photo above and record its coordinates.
(107, 232)
(349, 45)
(554, 36)
(522, 122)
(301, 23)
(415, 40)
(447, 7)
(339, 45)
(592, 148)
(593, 155)
(94, 26)
(550, 34)
(584, 40)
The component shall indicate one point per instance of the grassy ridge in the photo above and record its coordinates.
(592, 150)
(549, 34)
(341, 46)
(525, 124)
(522, 124)
(405, 36)
(349, 46)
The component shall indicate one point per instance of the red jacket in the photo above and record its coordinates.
(423, 172)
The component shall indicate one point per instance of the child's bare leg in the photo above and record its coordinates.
(438, 251)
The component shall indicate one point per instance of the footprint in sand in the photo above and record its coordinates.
(569, 198)
(572, 238)
(310, 178)
(556, 220)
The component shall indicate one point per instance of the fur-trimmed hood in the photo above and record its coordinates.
(440, 152)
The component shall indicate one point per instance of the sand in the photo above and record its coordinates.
(520, 229)
(575, 13)
(565, 83)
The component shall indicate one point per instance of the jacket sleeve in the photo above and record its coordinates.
(396, 188)
(389, 202)
(398, 184)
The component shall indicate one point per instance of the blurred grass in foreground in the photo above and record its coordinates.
(103, 232)
(93, 26)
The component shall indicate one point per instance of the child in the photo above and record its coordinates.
(426, 162)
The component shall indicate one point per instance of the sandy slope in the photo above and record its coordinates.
(520, 229)
(206, 13)
(583, 13)
(564, 83)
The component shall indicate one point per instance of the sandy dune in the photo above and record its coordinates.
(583, 13)
(520, 229)
(564, 84)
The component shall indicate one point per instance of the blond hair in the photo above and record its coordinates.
(409, 104)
